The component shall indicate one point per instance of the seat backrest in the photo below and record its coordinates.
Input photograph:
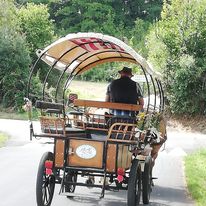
(52, 125)
(121, 128)
(50, 107)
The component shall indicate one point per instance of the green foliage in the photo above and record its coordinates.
(20, 29)
(176, 46)
(35, 23)
(139, 33)
(14, 63)
(39, 32)
(8, 21)
(84, 16)
(102, 73)
(128, 11)
(36, 86)
(112, 17)
(14, 58)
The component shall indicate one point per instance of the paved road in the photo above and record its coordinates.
(19, 161)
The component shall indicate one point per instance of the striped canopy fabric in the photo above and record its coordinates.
(76, 53)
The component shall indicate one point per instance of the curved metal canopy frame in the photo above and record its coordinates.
(77, 53)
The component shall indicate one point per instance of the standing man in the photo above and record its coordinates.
(124, 90)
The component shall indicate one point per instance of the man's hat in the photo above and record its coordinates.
(126, 70)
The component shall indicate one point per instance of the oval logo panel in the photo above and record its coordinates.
(86, 151)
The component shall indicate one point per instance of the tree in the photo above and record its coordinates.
(139, 33)
(112, 17)
(127, 11)
(14, 57)
(176, 45)
(36, 25)
(83, 16)
(39, 32)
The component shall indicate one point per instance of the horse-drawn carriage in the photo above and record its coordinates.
(88, 143)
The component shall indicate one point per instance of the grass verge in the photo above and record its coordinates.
(195, 169)
(13, 115)
(3, 139)
(8, 113)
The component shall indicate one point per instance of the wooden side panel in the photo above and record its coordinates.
(111, 158)
(59, 153)
(83, 153)
(124, 157)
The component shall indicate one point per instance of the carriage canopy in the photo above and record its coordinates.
(76, 53)
(79, 52)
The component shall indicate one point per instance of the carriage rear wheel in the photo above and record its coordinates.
(147, 180)
(134, 184)
(45, 184)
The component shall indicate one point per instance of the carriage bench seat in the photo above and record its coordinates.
(102, 122)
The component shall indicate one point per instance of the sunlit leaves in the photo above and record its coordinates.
(177, 46)
(35, 23)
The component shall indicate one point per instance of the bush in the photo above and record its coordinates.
(176, 46)
(14, 69)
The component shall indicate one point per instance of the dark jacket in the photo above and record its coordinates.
(124, 90)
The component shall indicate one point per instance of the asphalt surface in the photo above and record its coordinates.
(19, 161)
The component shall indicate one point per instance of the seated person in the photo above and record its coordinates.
(124, 90)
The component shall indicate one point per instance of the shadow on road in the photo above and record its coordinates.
(111, 199)
(156, 204)
(108, 202)
(170, 196)
(160, 196)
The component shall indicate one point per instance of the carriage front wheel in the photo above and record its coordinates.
(134, 184)
(45, 183)
(147, 180)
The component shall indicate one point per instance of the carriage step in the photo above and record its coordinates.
(154, 178)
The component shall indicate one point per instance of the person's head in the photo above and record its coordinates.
(126, 71)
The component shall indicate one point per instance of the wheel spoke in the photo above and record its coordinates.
(44, 194)
(46, 198)
(49, 190)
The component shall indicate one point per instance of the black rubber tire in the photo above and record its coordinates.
(147, 180)
(71, 177)
(134, 184)
(45, 184)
